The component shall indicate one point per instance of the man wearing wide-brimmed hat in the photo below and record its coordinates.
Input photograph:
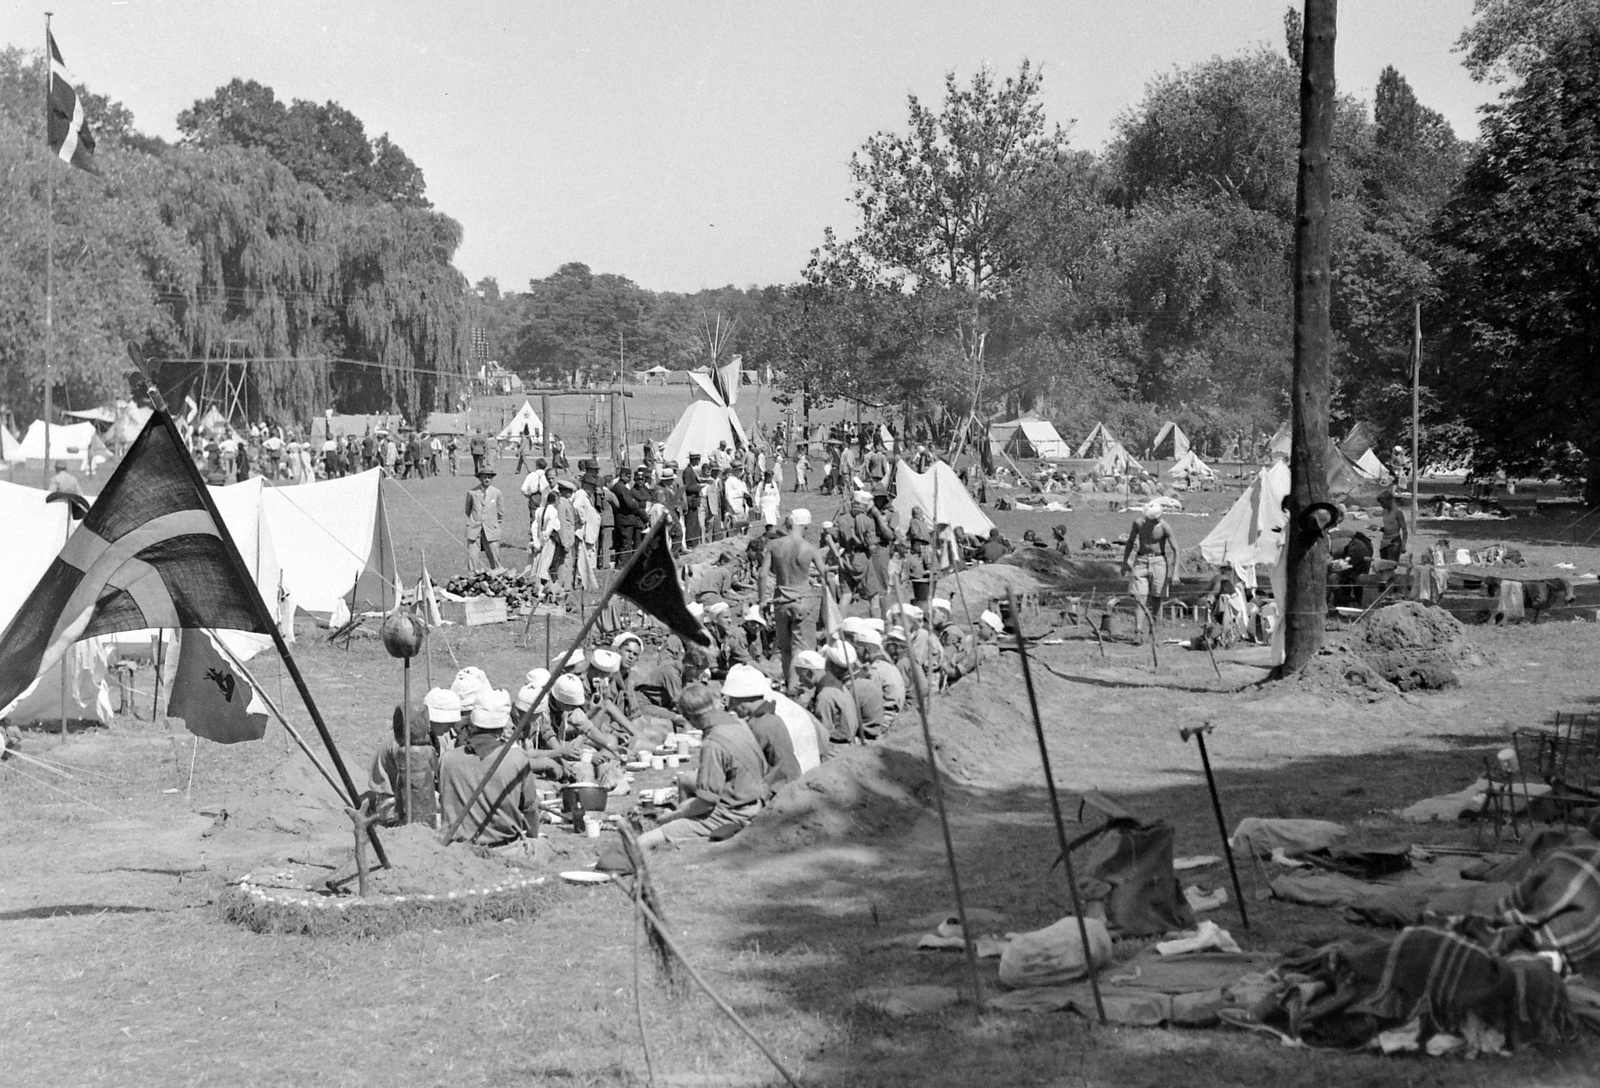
(485, 519)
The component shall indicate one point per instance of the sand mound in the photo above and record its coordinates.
(983, 729)
(293, 800)
(861, 794)
(1056, 571)
(1414, 646)
(419, 864)
(1336, 670)
(988, 582)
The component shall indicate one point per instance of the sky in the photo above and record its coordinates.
(684, 144)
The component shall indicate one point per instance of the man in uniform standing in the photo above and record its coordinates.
(691, 501)
(479, 448)
(485, 518)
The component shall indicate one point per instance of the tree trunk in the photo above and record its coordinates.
(1591, 483)
(1305, 612)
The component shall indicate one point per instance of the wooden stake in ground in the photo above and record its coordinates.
(1305, 611)
(1055, 806)
(969, 941)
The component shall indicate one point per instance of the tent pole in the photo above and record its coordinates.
(49, 256)
(252, 596)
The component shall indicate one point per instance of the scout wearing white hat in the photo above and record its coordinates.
(492, 713)
(746, 682)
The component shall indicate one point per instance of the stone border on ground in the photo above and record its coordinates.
(300, 912)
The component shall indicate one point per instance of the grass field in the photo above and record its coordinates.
(116, 967)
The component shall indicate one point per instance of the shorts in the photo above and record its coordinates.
(1148, 577)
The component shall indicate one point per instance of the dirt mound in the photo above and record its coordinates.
(1057, 571)
(988, 582)
(863, 793)
(1338, 671)
(983, 729)
(1413, 645)
(293, 800)
(419, 864)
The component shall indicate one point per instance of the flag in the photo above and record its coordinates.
(652, 584)
(67, 128)
(151, 552)
(428, 600)
(212, 696)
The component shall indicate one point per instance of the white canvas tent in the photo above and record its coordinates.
(1116, 461)
(525, 417)
(1251, 532)
(707, 421)
(32, 534)
(10, 448)
(94, 415)
(1170, 439)
(1281, 442)
(1191, 465)
(1371, 468)
(326, 536)
(1099, 442)
(1029, 437)
(76, 443)
(940, 495)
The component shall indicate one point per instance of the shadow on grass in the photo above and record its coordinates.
(1005, 842)
(73, 910)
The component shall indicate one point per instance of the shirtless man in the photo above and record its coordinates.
(1145, 561)
(1396, 528)
(785, 584)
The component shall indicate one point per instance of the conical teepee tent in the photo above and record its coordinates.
(525, 417)
(707, 421)
(1170, 440)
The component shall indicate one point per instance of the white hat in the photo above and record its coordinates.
(993, 621)
(895, 634)
(606, 661)
(697, 610)
(827, 525)
(861, 496)
(468, 682)
(914, 611)
(800, 516)
(717, 608)
(527, 696)
(1152, 509)
(851, 625)
(624, 638)
(868, 637)
(443, 705)
(568, 690)
(873, 623)
(840, 653)
(493, 710)
(939, 602)
(809, 659)
(746, 682)
(753, 615)
(573, 662)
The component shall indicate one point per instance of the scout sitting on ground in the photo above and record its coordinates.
(500, 808)
(729, 789)
(416, 804)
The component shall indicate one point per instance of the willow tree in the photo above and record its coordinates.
(266, 264)
(400, 309)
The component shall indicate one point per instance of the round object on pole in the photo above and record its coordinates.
(402, 634)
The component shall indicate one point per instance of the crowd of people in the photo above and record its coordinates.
(277, 453)
(803, 660)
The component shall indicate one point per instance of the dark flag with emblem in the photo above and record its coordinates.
(150, 552)
(68, 128)
(652, 584)
(212, 696)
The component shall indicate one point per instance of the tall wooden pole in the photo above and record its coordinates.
(616, 414)
(1305, 616)
(49, 249)
(544, 410)
(1416, 406)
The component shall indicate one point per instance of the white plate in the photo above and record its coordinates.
(584, 876)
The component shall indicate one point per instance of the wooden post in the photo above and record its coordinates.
(1416, 409)
(544, 413)
(1305, 612)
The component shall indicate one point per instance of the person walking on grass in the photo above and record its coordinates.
(1150, 560)
(485, 510)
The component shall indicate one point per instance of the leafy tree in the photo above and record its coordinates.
(1507, 39)
(1522, 310)
(323, 145)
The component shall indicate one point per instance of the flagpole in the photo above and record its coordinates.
(544, 693)
(49, 248)
(252, 596)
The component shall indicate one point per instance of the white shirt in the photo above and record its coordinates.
(588, 517)
(768, 497)
(738, 495)
(537, 483)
